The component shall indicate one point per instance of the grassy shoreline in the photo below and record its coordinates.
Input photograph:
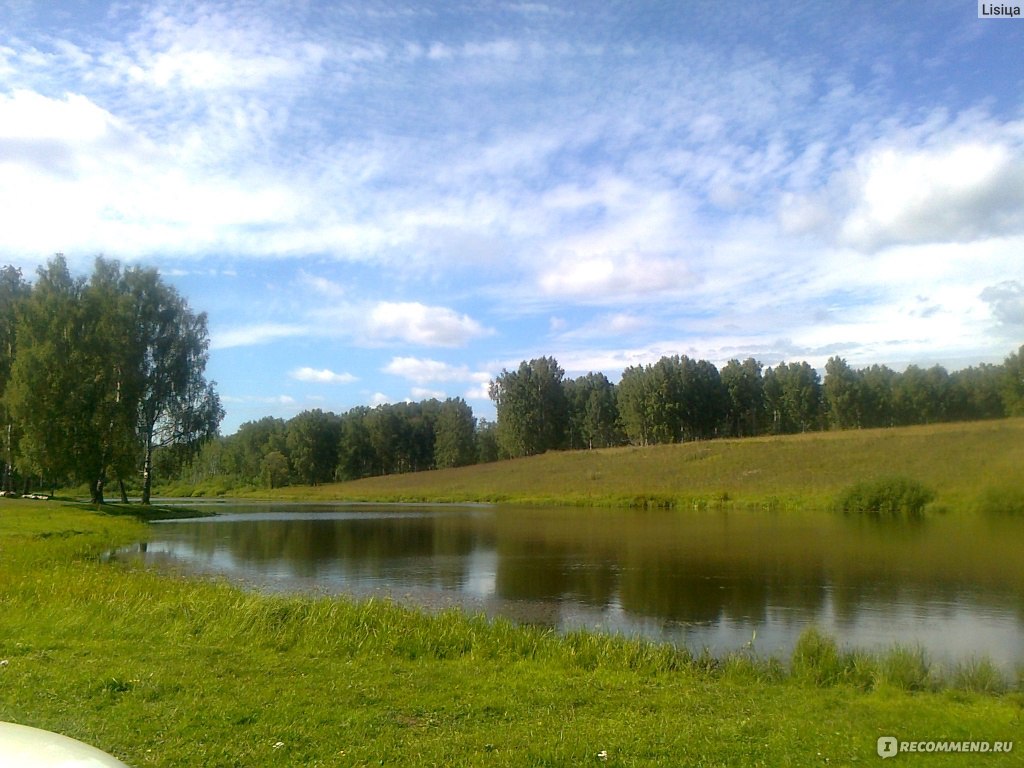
(171, 671)
(968, 465)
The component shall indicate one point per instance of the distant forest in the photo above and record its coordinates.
(102, 379)
(538, 409)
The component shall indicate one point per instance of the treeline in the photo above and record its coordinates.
(96, 375)
(104, 377)
(678, 399)
(318, 446)
(539, 409)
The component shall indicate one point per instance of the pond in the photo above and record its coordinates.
(952, 584)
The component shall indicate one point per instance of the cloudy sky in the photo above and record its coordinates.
(379, 201)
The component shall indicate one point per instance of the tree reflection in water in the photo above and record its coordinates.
(954, 584)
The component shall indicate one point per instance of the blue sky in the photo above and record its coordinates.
(380, 201)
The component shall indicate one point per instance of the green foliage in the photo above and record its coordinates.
(455, 435)
(274, 470)
(793, 398)
(887, 497)
(922, 396)
(674, 400)
(13, 292)
(486, 441)
(531, 408)
(356, 457)
(842, 391)
(177, 409)
(62, 390)
(744, 390)
(880, 397)
(593, 412)
(111, 369)
(105, 370)
(1013, 383)
(241, 455)
(313, 441)
(640, 406)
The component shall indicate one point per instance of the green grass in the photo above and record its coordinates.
(169, 671)
(964, 464)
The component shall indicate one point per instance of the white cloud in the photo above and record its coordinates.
(322, 376)
(259, 333)
(72, 119)
(285, 400)
(710, 197)
(615, 277)
(440, 51)
(479, 391)
(498, 49)
(624, 245)
(962, 192)
(423, 370)
(321, 285)
(603, 326)
(422, 393)
(117, 191)
(1006, 300)
(207, 50)
(418, 323)
(370, 324)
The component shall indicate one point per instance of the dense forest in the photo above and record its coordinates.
(98, 376)
(105, 378)
(539, 409)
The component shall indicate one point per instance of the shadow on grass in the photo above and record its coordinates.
(148, 512)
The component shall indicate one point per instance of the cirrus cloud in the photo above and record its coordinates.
(259, 333)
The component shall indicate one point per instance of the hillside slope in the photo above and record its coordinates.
(962, 462)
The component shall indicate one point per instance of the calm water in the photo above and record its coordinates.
(702, 579)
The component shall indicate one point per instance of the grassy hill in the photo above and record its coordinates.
(967, 464)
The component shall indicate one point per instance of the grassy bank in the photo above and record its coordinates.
(964, 464)
(169, 671)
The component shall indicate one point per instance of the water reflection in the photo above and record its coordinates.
(703, 579)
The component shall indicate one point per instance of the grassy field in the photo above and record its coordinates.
(967, 465)
(168, 671)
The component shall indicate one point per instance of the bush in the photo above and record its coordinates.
(888, 496)
(816, 659)
(1003, 500)
(979, 676)
(907, 669)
